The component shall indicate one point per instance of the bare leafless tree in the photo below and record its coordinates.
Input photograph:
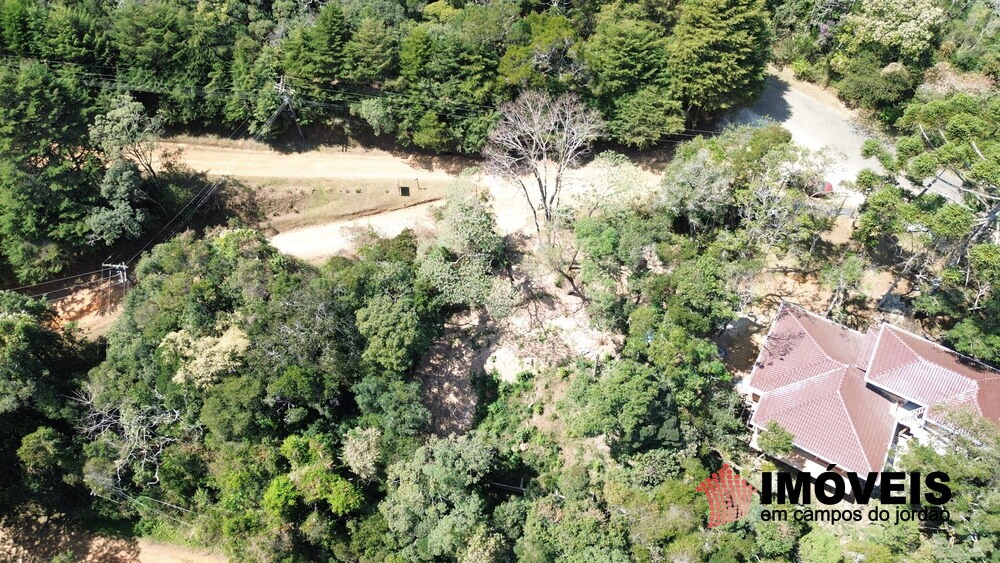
(136, 433)
(537, 139)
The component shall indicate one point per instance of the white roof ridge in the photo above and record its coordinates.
(811, 337)
(918, 359)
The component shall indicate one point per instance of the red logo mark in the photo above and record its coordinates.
(729, 496)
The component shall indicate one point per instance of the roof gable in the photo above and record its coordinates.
(801, 345)
(833, 416)
(931, 375)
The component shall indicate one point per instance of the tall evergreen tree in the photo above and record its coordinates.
(717, 53)
(47, 175)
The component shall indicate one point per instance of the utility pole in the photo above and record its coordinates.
(118, 276)
(286, 93)
(121, 269)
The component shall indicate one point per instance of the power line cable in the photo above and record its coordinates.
(158, 87)
(199, 199)
(53, 281)
(118, 254)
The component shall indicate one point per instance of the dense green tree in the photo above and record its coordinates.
(820, 546)
(314, 55)
(629, 403)
(40, 369)
(866, 82)
(253, 95)
(717, 53)
(627, 58)
(696, 296)
(432, 504)
(776, 538)
(47, 458)
(391, 330)
(645, 117)
(624, 54)
(47, 173)
(370, 55)
(281, 497)
(177, 50)
(20, 21)
(581, 534)
(540, 54)
(75, 32)
(775, 440)
(692, 365)
(122, 189)
(394, 406)
(29, 371)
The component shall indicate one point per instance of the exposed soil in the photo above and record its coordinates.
(942, 79)
(32, 535)
(93, 310)
(315, 244)
(549, 328)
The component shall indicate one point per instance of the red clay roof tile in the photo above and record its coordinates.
(810, 385)
(931, 375)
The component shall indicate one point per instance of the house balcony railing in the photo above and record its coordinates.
(913, 418)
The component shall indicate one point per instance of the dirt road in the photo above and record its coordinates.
(30, 534)
(258, 161)
(150, 552)
(322, 241)
(814, 116)
(817, 120)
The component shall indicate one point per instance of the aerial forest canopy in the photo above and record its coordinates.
(286, 411)
(430, 74)
(880, 54)
(250, 401)
(425, 75)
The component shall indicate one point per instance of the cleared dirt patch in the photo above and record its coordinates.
(289, 205)
(32, 535)
(548, 328)
(446, 372)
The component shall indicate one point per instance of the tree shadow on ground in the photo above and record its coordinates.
(736, 345)
(769, 104)
(451, 371)
(855, 313)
